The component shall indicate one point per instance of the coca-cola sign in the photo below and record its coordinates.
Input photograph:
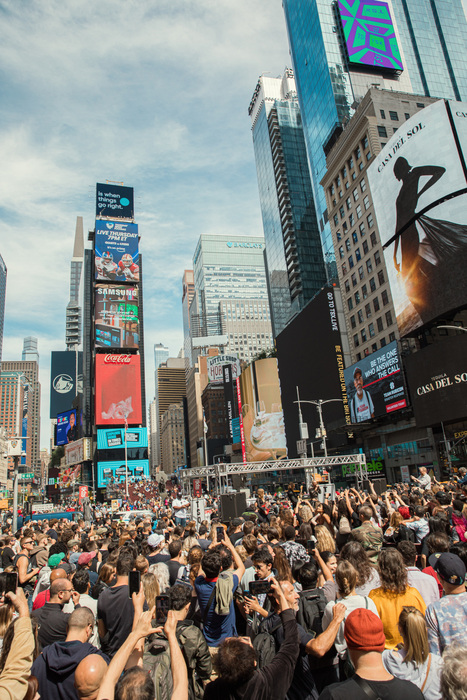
(117, 359)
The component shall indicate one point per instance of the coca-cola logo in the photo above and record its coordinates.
(117, 359)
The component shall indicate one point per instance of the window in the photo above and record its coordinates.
(354, 279)
(351, 165)
(393, 116)
(379, 323)
(365, 247)
(407, 116)
(355, 237)
(365, 291)
(355, 195)
(350, 303)
(376, 304)
(344, 268)
(331, 190)
(358, 211)
(360, 272)
(360, 316)
(340, 194)
(381, 277)
(377, 258)
(365, 142)
(373, 239)
(358, 255)
(362, 229)
(344, 226)
(360, 166)
(363, 334)
(342, 212)
(382, 342)
(347, 244)
(341, 251)
(371, 330)
(359, 356)
(395, 130)
(369, 219)
(351, 263)
(358, 153)
(347, 185)
(356, 342)
(366, 202)
(388, 318)
(352, 219)
(384, 297)
(357, 298)
(336, 220)
(338, 181)
(383, 115)
(344, 172)
(363, 185)
(354, 176)
(382, 132)
(372, 284)
(368, 155)
(338, 235)
(392, 337)
(353, 322)
(348, 203)
(347, 286)
(420, 105)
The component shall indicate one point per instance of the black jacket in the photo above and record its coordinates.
(52, 623)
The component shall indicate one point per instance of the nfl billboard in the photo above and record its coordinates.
(114, 201)
(118, 389)
(116, 316)
(419, 189)
(375, 385)
(116, 251)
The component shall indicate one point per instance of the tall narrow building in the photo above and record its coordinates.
(3, 275)
(161, 355)
(171, 390)
(73, 309)
(294, 260)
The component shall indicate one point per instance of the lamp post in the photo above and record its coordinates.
(319, 404)
(454, 328)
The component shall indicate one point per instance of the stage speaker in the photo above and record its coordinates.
(232, 505)
(380, 485)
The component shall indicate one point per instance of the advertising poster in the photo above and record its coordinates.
(113, 439)
(67, 427)
(116, 313)
(262, 416)
(64, 367)
(78, 451)
(116, 251)
(114, 472)
(118, 389)
(437, 379)
(375, 385)
(214, 367)
(24, 422)
(114, 201)
(69, 476)
(424, 235)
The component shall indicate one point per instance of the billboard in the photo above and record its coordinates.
(116, 314)
(65, 375)
(78, 451)
(369, 34)
(114, 438)
(376, 469)
(116, 251)
(214, 367)
(108, 472)
(437, 379)
(114, 201)
(67, 427)
(262, 416)
(311, 357)
(118, 389)
(423, 228)
(375, 385)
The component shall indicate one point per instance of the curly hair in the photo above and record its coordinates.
(354, 553)
(305, 514)
(392, 571)
(325, 541)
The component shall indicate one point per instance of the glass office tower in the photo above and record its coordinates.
(294, 260)
(431, 38)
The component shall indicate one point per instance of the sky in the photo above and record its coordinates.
(151, 93)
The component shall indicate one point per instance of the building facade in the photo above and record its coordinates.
(73, 309)
(161, 355)
(3, 276)
(172, 438)
(293, 254)
(171, 388)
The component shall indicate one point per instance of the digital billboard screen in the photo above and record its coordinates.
(65, 373)
(116, 251)
(118, 389)
(369, 34)
(67, 427)
(437, 379)
(423, 228)
(116, 316)
(113, 439)
(114, 472)
(114, 201)
(262, 417)
(375, 385)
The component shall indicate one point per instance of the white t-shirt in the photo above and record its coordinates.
(181, 512)
(351, 602)
(361, 409)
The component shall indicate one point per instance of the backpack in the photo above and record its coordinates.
(161, 671)
(265, 645)
(310, 613)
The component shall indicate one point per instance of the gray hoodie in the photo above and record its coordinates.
(393, 660)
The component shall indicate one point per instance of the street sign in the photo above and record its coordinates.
(26, 477)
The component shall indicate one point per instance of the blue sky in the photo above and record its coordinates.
(153, 93)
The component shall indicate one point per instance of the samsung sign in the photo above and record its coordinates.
(239, 244)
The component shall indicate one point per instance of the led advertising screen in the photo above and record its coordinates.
(437, 379)
(375, 385)
(313, 361)
(116, 313)
(65, 373)
(118, 389)
(67, 427)
(113, 439)
(369, 34)
(114, 472)
(116, 251)
(262, 417)
(114, 201)
(422, 227)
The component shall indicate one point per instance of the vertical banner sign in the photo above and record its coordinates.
(197, 490)
(228, 395)
(242, 432)
(24, 421)
(83, 492)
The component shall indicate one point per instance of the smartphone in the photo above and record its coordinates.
(8, 582)
(259, 587)
(162, 608)
(311, 545)
(220, 533)
(167, 536)
(134, 581)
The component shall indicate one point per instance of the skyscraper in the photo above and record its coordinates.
(30, 351)
(161, 355)
(425, 55)
(3, 274)
(171, 390)
(73, 309)
(294, 260)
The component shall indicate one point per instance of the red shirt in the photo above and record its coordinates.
(431, 572)
(41, 599)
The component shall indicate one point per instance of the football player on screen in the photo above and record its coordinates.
(128, 269)
(106, 267)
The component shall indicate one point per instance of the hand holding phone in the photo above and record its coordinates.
(220, 533)
(162, 608)
(134, 582)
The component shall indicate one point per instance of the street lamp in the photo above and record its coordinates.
(454, 328)
(319, 404)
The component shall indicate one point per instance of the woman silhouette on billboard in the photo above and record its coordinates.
(445, 239)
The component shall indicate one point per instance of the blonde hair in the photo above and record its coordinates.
(325, 541)
(346, 577)
(414, 633)
(396, 519)
(150, 588)
(242, 553)
(305, 514)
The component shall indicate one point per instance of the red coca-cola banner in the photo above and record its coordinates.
(118, 390)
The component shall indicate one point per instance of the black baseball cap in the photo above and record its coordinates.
(449, 567)
(356, 371)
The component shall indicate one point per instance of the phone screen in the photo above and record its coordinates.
(220, 533)
(162, 608)
(167, 536)
(134, 580)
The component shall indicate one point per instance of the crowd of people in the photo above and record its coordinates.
(302, 597)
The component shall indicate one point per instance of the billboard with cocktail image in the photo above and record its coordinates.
(118, 389)
(262, 418)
